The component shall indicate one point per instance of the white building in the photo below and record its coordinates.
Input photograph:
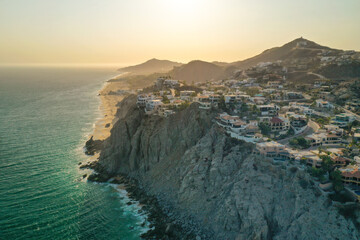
(143, 98)
(323, 104)
(187, 95)
(170, 83)
(152, 105)
(268, 110)
(230, 98)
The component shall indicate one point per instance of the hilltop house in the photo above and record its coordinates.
(340, 161)
(231, 122)
(268, 110)
(279, 125)
(343, 119)
(214, 98)
(187, 95)
(323, 104)
(271, 149)
(334, 129)
(152, 105)
(294, 95)
(353, 105)
(318, 139)
(143, 98)
(230, 99)
(350, 174)
(298, 122)
(170, 83)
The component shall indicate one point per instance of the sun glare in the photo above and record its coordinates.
(182, 7)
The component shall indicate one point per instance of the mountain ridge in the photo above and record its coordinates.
(150, 66)
(201, 71)
(299, 47)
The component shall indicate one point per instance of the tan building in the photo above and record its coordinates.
(271, 149)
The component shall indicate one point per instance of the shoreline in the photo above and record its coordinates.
(157, 224)
(108, 108)
(101, 131)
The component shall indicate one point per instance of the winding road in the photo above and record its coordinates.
(311, 128)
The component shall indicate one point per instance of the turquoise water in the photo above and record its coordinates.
(45, 117)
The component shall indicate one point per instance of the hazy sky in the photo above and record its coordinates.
(132, 31)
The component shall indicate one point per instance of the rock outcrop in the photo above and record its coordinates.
(206, 181)
(92, 146)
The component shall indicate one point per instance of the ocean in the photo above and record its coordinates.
(46, 115)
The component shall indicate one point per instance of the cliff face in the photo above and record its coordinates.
(203, 178)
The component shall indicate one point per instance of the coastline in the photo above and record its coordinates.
(156, 223)
(108, 108)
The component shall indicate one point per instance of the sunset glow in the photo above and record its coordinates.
(92, 32)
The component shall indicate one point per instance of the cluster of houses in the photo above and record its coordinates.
(281, 112)
(351, 172)
(328, 57)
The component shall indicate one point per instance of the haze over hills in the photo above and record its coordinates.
(300, 49)
(151, 66)
(197, 71)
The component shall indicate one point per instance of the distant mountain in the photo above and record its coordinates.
(222, 64)
(197, 71)
(298, 48)
(151, 66)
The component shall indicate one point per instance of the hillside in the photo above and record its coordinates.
(298, 48)
(197, 71)
(151, 66)
(297, 52)
(213, 185)
(334, 71)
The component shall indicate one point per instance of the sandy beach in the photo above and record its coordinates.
(108, 108)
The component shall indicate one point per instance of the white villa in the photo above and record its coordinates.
(323, 104)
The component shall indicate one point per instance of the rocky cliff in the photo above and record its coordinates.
(206, 180)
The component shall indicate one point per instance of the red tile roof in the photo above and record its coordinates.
(276, 120)
(239, 123)
(341, 159)
(228, 117)
(355, 174)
